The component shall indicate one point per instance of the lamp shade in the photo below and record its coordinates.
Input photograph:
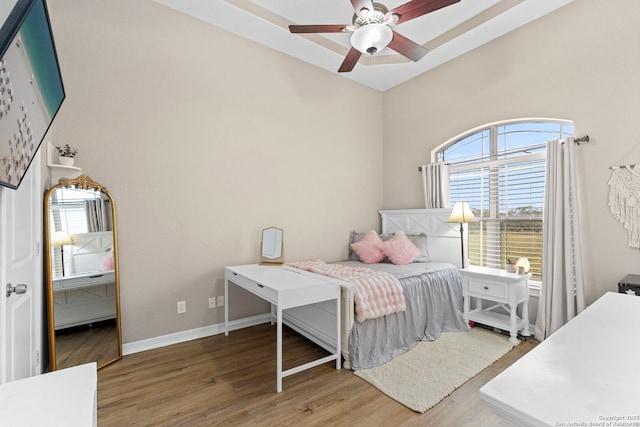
(524, 264)
(461, 213)
(61, 238)
(371, 38)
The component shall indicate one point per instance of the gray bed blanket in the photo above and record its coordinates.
(433, 296)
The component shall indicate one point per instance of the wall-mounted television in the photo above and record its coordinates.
(31, 89)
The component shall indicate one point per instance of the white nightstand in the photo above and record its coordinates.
(506, 291)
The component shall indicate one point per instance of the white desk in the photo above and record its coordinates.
(285, 287)
(84, 298)
(584, 374)
(67, 397)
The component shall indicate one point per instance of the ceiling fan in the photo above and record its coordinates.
(371, 29)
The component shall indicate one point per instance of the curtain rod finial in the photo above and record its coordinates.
(581, 139)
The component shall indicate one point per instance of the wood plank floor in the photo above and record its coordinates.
(231, 381)
(97, 342)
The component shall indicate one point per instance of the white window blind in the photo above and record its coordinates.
(507, 200)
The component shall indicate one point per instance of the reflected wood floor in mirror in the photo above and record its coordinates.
(87, 343)
(232, 381)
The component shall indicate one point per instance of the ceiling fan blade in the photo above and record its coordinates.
(317, 28)
(350, 61)
(358, 5)
(408, 48)
(416, 8)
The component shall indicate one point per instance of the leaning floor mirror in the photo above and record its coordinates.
(81, 273)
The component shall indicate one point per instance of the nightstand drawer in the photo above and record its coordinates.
(481, 288)
(252, 286)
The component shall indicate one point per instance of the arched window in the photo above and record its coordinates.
(499, 169)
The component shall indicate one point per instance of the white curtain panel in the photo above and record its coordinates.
(97, 213)
(562, 294)
(435, 182)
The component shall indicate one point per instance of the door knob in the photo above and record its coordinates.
(18, 289)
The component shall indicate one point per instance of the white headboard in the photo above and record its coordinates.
(443, 238)
(89, 250)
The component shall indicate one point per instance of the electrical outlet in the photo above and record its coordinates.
(221, 301)
(212, 302)
(182, 307)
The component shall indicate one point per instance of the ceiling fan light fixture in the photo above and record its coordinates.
(371, 38)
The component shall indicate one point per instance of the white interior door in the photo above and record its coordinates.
(21, 264)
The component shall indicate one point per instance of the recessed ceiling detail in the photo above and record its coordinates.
(372, 30)
(445, 33)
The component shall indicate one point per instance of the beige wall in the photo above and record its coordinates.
(579, 63)
(205, 138)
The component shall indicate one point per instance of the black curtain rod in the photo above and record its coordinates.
(623, 167)
(579, 140)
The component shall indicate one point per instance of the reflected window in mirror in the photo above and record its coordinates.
(75, 212)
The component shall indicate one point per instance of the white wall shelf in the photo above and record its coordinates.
(56, 170)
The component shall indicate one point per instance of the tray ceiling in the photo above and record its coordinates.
(447, 33)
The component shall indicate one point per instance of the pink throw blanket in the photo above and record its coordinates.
(377, 293)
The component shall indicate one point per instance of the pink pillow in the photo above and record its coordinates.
(369, 248)
(108, 263)
(400, 250)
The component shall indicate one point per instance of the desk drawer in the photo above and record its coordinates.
(254, 287)
(482, 288)
(625, 288)
(83, 282)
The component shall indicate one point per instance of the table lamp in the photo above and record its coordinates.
(61, 238)
(523, 266)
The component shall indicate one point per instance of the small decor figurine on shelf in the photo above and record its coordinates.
(66, 155)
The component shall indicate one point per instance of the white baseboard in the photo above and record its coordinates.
(192, 334)
(206, 331)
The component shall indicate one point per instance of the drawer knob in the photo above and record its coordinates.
(486, 288)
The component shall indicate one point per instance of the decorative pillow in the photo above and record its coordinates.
(354, 238)
(369, 248)
(400, 250)
(420, 240)
(108, 263)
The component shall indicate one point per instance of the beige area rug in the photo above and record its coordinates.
(432, 370)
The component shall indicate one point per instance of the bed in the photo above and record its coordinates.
(432, 290)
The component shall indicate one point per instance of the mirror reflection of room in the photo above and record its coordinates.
(82, 215)
(83, 276)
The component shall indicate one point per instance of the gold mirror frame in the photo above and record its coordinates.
(83, 182)
(272, 246)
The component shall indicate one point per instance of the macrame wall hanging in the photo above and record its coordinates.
(624, 200)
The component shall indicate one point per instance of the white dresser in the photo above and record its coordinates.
(285, 288)
(584, 374)
(64, 398)
(497, 294)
